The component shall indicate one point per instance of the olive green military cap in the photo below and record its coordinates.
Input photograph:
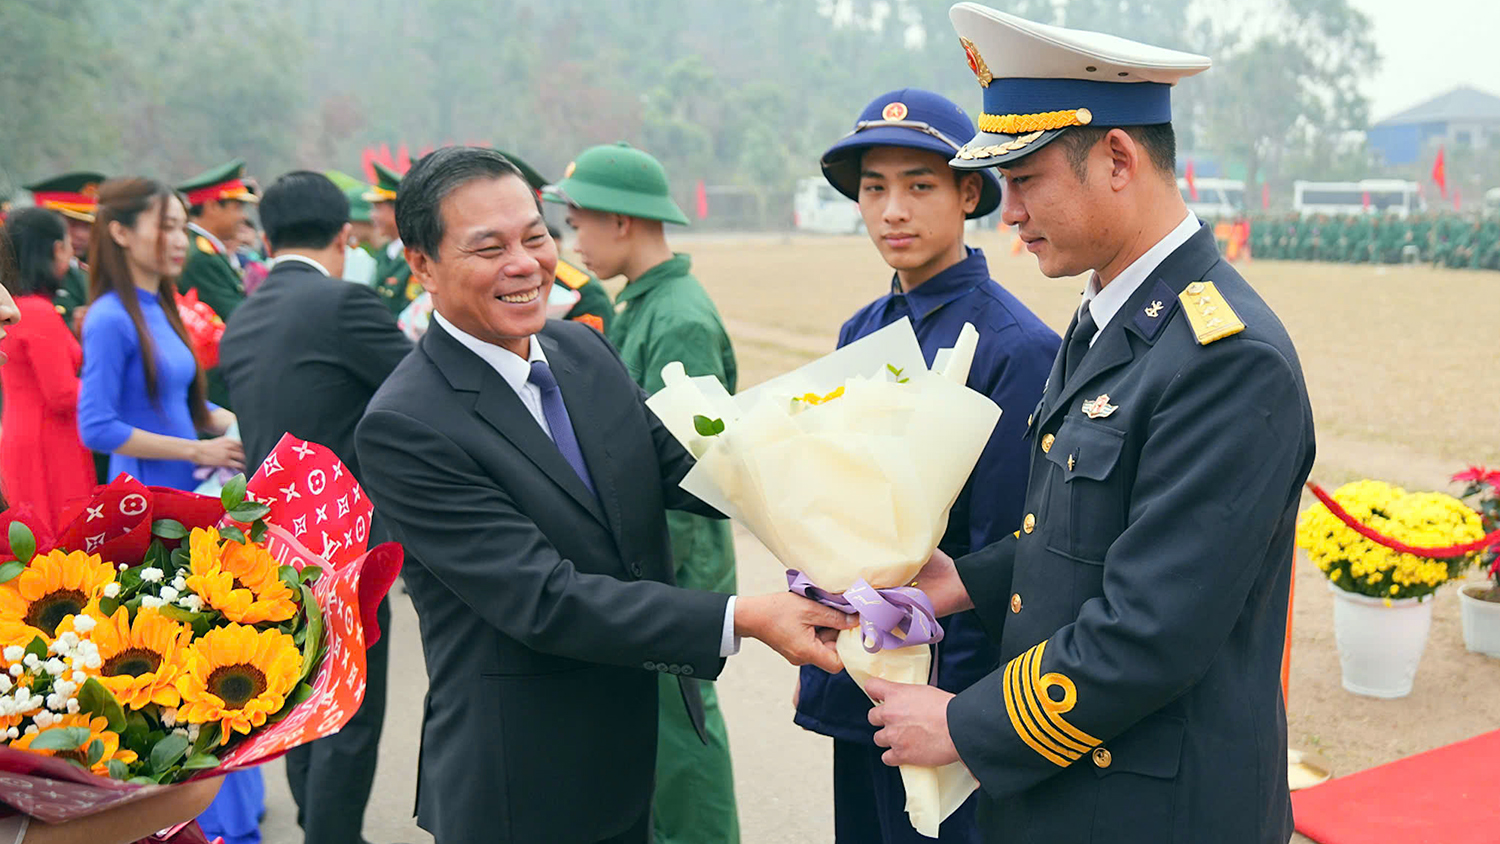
(387, 182)
(619, 179)
(219, 184)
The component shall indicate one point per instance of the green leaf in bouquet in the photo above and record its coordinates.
(707, 427)
(95, 754)
(108, 606)
(233, 494)
(142, 780)
(168, 529)
(10, 570)
(37, 646)
(180, 558)
(130, 580)
(61, 739)
(310, 574)
(201, 762)
(258, 531)
(167, 751)
(312, 647)
(249, 512)
(22, 543)
(234, 533)
(300, 695)
(95, 699)
(289, 576)
(117, 770)
(208, 736)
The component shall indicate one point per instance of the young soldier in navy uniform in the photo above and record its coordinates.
(75, 196)
(895, 165)
(216, 208)
(1140, 610)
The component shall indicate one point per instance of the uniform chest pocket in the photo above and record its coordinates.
(1086, 504)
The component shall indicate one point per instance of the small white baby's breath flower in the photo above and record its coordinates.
(16, 670)
(152, 574)
(151, 602)
(33, 730)
(169, 594)
(13, 653)
(93, 662)
(74, 706)
(169, 718)
(111, 590)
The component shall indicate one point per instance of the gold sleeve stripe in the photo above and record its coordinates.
(1210, 316)
(1040, 709)
(1055, 709)
(1022, 728)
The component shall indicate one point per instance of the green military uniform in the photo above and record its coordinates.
(1468, 245)
(75, 196)
(392, 279)
(1489, 250)
(665, 316)
(1389, 240)
(209, 269)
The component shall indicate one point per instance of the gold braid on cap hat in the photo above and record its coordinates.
(1015, 124)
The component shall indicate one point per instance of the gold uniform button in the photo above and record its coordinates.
(1015, 602)
(1102, 757)
(1029, 524)
(1047, 442)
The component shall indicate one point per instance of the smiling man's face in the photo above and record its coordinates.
(495, 264)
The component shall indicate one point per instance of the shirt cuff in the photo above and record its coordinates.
(729, 644)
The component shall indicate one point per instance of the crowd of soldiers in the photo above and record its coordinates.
(1447, 240)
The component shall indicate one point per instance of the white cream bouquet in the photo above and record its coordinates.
(846, 470)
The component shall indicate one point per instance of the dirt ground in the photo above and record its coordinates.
(1402, 365)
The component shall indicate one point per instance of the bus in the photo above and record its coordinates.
(818, 208)
(1378, 196)
(1217, 198)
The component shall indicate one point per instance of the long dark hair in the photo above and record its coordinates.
(35, 233)
(123, 201)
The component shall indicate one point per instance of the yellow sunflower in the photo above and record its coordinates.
(238, 676)
(98, 730)
(143, 658)
(241, 581)
(53, 587)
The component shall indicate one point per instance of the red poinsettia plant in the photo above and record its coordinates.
(1482, 492)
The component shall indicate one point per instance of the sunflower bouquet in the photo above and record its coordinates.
(846, 470)
(164, 636)
(1401, 547)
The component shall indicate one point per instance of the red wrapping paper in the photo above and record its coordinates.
(315, 504)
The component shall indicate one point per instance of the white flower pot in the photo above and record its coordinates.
(1380, 645)
(1481, 621)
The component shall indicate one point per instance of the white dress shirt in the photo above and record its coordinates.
(1105, 302)
(298, 259)
(517, 373)
(393, 249)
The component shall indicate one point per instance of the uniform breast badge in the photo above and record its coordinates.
(1099, 408)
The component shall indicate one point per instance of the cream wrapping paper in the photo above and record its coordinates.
(857, 487)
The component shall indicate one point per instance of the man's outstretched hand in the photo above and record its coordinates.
(939, 580)
(801, 630)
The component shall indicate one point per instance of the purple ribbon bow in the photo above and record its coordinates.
(888, 618)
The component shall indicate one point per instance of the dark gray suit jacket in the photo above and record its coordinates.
(545, 611)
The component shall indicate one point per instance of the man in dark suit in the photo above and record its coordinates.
(303, 356)
(1140, 609)
(521, 469)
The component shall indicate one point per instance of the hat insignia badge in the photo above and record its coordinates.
(894, 111)
(1099, 408)
(976, 63)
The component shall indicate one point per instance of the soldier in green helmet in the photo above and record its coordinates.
(392, 279)
(618, 200)
(216, 208)
(75, 196)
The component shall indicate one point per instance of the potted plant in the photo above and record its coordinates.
(1480, 602)
(1385, 552)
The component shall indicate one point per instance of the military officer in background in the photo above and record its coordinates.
(1140, 609)
(216, 208)
(75, 196)
(392, 276)
(618, 200)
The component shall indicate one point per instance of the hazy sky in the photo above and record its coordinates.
(1430, 47)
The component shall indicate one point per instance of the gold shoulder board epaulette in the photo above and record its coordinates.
(570, 275)
(1210, 316)
(203, 245)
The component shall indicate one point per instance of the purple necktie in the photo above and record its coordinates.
(557, 419)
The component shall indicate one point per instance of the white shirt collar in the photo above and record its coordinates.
(1106, 302)
(511, 366)
(218, 244)
(393, 249)
(300, 259)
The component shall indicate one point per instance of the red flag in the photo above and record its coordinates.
(1265, 196)
(367, 164)
(403, 160)
(1364, 200)
(384, 156)
(1192, 185)
(702, 200)
(1440, 173)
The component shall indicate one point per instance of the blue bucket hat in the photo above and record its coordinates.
(910, 117)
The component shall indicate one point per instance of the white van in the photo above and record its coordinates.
(1385, 196)
(819, 209)
(1217, 198)
(1492, 202)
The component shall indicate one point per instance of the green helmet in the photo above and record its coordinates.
(618, 179)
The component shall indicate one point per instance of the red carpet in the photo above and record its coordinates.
(1443, 796)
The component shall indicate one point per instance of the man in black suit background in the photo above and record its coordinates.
(518, 464)
(303, 356)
